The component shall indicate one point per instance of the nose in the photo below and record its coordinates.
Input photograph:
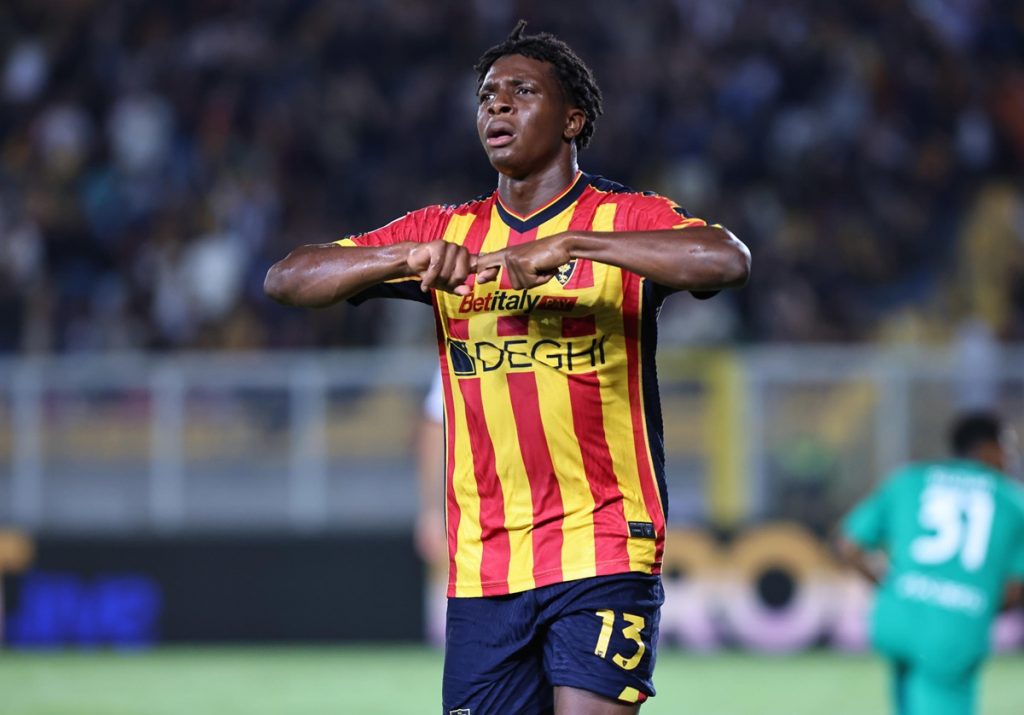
(500, 104)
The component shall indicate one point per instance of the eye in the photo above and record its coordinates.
(484, 96)
(524, 90)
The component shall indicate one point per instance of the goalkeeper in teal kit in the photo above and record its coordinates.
(953, 534)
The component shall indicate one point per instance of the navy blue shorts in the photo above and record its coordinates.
(505, 654)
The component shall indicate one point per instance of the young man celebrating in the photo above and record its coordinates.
(545, 295)
(954, 535)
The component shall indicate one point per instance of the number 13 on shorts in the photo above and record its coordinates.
(632, 631)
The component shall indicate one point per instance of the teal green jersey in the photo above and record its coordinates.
(954, 535)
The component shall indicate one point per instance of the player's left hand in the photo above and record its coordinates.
(527, 265)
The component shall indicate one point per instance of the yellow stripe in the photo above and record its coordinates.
(515, 486)
(559, 223)
(469, 549)
(497, 234)
(604, 217)
(578, 555)
(458, 228)
(618, 424)
(579, 558)
(629, 695)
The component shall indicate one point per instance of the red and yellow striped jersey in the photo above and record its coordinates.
(555, 461)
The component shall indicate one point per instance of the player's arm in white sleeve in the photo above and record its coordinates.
(430, 534)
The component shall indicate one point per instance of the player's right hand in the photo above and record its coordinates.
(441, 265)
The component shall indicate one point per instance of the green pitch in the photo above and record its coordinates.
(406, 681)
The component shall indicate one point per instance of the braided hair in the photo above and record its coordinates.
(575, 78)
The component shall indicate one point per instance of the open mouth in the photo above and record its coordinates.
(499, 135)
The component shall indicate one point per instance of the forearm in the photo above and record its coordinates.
(316, 276)
(697, 259)
(859, 560)
(1013, 597)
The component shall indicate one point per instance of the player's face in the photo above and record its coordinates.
(523, 119)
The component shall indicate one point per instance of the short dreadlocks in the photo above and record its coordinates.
(574, 76)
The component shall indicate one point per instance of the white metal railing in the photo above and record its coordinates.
(314, 440)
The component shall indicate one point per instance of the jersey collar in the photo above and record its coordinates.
(557, 205)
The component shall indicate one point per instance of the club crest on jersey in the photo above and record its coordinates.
(461, 711)
(565, 272)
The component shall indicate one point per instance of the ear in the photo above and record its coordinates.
(575, 119)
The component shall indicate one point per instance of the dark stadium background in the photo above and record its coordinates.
(184, 462)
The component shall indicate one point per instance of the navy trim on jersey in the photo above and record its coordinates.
(612, 187)
(524, 225)
(407, 290)
(653, 296)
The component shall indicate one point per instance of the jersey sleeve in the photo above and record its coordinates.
(422, 226)
(1017, 562)
(866, 525)
(652, 212)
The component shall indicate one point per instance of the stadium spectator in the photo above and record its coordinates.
(848, 143)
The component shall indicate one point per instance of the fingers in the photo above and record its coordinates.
(524, 274)
(459, 264)
(519, 275)
(487, 274)
(446, 266)
(442, 266)
(429, 276)
(488, 265)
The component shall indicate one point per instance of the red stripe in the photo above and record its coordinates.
(631, 287)
(512, 325)
(452, 513)
(473, 241)
(583, 220)
(548, 512)
(610, 531)
(478, 232)
(579, 327)
(493, 534)
(514, 239)
(458, 328)
(582, 275)
(478, 229)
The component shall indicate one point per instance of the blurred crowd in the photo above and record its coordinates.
(157, 157)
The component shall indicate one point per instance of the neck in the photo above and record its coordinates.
(990, 455)
(526, 195)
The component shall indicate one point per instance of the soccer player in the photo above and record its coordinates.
(545, 294)
(953, 534)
